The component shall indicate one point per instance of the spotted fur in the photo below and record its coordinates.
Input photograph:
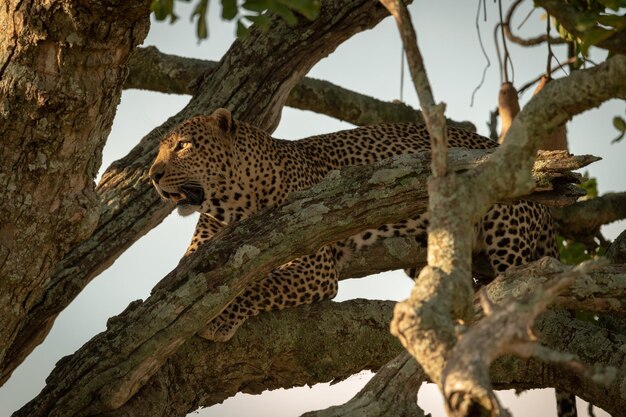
(228, 170)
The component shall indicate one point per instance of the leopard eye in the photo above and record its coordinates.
(182, 145)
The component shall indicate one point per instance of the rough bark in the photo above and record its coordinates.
(113, 366)
(323, 342)
(425, 323)
(356, 336)
(62, 66)
(583, 219)
(391, 392)
(505, 329)
(616, 252)
(254, 79)
(152, 70)
(557, 102)
(600, 290)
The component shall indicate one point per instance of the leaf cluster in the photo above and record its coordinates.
(596, 20)
(246, 13)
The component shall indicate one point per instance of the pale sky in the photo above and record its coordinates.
(370, 64)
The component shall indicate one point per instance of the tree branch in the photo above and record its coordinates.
(391, 392)
(616, 252)
(356, 336)
(600, 290)
(583, 219)
(443, 289)
(506, 329)
(306, 345)
(150, 69)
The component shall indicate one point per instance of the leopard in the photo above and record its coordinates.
(227, 170)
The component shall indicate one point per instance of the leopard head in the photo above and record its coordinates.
(195, 163)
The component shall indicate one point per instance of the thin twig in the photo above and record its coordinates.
(433, 112)
(507, 57)
(482, 48)
(526, 42)
(535, 80)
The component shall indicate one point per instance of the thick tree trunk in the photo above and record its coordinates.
(62, 67)
(254, 79)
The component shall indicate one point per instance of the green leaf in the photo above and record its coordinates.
(618, 22)
(597, 35)
(229, 9)
(161, 9)
(618, 139)
(201, 10)
(590, 185)
(284, 12)
(242, 30)
(258, 6)
(613, 4)
(619, 123)
(263, 20)
(307, 8)
(585, 22)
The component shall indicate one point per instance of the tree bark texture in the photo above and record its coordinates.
(150, 69)
(583, 219)
(62, 67)
(302, 346)
(253, 79)
(601, 290)
(138, 342)
(330, 341)
(391, 392)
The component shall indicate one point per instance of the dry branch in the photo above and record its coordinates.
(506, 329)
(616, 252)
(424, 323)
(150, 69)
(433, 113)
(602, 290)
(391, 392)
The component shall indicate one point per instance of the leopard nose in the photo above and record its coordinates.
(156, 176)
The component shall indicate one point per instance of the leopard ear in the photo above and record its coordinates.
(224, 120)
